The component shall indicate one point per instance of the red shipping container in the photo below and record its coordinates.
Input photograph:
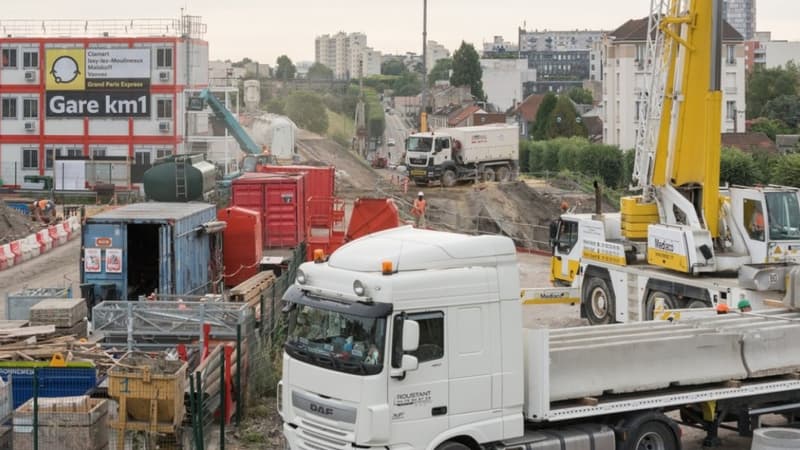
(242, 248)
(280, 199)
(319, 182)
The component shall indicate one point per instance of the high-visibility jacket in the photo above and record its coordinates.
(419, 207)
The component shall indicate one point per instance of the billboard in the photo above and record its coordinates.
(95, 82)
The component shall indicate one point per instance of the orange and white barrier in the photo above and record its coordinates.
(39, 243)
(16, 250)
(6, 256)
(44, 240)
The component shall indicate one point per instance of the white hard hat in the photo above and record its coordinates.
(421, 194)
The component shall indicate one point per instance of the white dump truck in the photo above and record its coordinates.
(413, 339)
(450, 155)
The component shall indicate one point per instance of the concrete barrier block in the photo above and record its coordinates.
(771, 351)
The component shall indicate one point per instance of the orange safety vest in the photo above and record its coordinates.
(759, 221)
(419, 207)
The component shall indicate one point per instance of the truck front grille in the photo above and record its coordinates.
(310, 440)
(419, 161)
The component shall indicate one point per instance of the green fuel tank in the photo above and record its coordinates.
(160, 181)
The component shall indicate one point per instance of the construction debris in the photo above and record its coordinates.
(68, 423)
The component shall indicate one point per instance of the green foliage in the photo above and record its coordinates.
(785, 108)
(285, 68)
(524, 151)
(787, 170)
(764, 85)
(467, 70)
(408, 84)
(376, 120)
(307, 110)
(276, 106)
(737, 167)
(765, 165)
(245, 61)
(545, 108)
(628, 161)
(770, 127)
(380, 83)
(393, 67)
(319, 71)
(440, 71)
(577, 154)
(343, 103)
(581, 96)
(564, 120)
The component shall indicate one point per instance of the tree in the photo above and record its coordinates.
(393, 67)
(564, 120)
(319, 71)
(440, 71)
(408, 84)
(737, 167)
(545, 108)
(285, 70)
(787, 170)
(770, 127)
(764, 85)
(785, 108)
(467, 70)
(245, 61)
(308, 111)
(581, 96)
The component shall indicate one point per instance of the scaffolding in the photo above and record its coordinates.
(186, 26)
(142, 324)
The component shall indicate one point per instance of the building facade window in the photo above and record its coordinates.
(30, 158)
(9, 108)
(164, 108)
(49, 158)
(163, 153)
(730, 110)
(74, 152)
(30, 108)
(30, 60)
(730, 54)
(142, 158)
(10, 57)
(99, 152)
(163, 58)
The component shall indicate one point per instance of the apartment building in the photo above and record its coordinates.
(625, 77)
(741, 15)
(503, 81)
(347, 54)
(109, 91)
(562, 59)
(435, 52)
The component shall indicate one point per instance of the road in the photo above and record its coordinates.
(397, 129)
(57, 268)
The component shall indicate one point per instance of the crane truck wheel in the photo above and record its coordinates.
(666, 299)
(651, 435)
(448, 178)
(452, 445)
(598, 301)
(489, 174)
(503, 174)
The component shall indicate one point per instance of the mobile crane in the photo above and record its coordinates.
(682, 240)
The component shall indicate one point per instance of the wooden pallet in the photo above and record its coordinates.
(61, 312)
(250, 290)
(69, 423)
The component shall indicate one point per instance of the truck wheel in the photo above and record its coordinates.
(452, 445)
(488, 174)
(651, 435)
(650, 304)
(598, 302)
(421, 183)
(448, 178)
(503, 174)
(695, 303)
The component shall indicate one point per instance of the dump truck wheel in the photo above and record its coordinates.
(452, 445)
(598, 302)
(448, 178)
(652, 435)
(489, 174)
(503, 174)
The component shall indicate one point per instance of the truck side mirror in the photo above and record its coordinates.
(410, 337)
(410, 362)
(553, 232)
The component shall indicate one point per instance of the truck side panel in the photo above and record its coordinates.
(488, 143)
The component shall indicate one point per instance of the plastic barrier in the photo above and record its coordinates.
(5, 255)
(75, 224)
(44, 240)
(67, 229)
(57, 234)
(16, 250)
(30, 247)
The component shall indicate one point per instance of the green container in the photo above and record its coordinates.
(47, 180)
(160, 181)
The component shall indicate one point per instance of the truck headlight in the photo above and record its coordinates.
(359, 289)
(301, 277)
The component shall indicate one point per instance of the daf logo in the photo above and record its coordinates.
(319, 409)
(65, 69)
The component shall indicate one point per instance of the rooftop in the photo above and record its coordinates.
(635, 30)
(151, 211)
(189, 26)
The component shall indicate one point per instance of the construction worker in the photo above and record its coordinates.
(418, 210)
(43, 210)
(744, 305)
(564, 207)
(757, 224)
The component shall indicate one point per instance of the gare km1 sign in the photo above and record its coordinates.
(96, 104)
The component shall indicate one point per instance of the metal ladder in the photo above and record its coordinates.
(180, 179)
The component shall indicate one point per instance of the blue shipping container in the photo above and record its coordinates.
(53, 381)
(146, 247)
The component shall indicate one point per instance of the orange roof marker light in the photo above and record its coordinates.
(386, 267)
(319, 255)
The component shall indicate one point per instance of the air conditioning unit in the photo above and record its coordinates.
(30, 75)
(30, 126)
(163, 127)
(163, 76)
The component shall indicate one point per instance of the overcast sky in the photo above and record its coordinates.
(265, 29)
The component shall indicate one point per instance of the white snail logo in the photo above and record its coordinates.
(65, 69)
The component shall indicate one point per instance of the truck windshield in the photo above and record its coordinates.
(336, 340)
(783, 212)
(419, 144)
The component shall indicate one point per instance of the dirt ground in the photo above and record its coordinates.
(14, 225)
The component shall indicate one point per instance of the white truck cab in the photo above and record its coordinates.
(393, 343)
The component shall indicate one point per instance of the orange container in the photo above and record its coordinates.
(242, 248)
